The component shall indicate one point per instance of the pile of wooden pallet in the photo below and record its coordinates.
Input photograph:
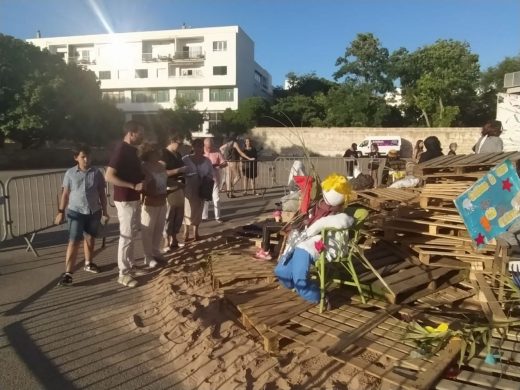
(435, 274)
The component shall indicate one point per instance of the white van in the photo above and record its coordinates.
(385, 143)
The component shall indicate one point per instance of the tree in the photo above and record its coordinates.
(366, 62)
(251, 112)
(299, 110)
(308, 84)
(491, 83)
(355, 105)
(184, 120)
(437, 80)
(44, 99)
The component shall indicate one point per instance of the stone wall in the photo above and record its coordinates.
(334, 141)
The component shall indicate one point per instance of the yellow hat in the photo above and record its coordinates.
(336, 189)
(393, 153)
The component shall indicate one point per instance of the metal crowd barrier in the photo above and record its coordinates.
(32, 203)
(28, 203)
(3, 213)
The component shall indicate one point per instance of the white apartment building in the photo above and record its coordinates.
(143, 72)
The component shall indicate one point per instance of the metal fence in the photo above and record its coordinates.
(3, 213)
(32, 201)
(28, 203)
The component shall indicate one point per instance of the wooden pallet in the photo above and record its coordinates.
(478, 375)
(407, 278)
(230, 266)
(347, 332)
(428, 253)
(379, 198)
(462, 164)
(264, 307)
(438, 194)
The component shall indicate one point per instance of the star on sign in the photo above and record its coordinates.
(507, 185)
(480, 239)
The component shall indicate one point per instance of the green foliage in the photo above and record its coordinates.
(184, 120)
(44, 99)
(357, 106)
(251, 112)
(365, 62)
(299, 110)
(437, 79)
(307, 84)
(492, 82)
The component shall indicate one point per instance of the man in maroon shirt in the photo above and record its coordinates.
(124, 172)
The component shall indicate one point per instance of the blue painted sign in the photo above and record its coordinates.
(491, 205)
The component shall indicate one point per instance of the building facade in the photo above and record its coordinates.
(142, 72)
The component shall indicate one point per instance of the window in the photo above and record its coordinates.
(114, 96)
(190, 94)
(141, 73)
(214, 119)
(105, 75)
(151, 96)
(219, 70)
(221, 95)
(219, 45)
(260, 79)
(85, 55)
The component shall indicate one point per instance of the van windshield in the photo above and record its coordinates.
(363, 144)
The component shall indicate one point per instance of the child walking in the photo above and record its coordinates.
(83, 200)
(153, 213)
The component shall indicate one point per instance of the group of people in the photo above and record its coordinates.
(489, 142)
(156, 191)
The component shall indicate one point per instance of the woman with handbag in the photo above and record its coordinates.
(199, 188)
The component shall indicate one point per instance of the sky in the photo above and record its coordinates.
(300, 36)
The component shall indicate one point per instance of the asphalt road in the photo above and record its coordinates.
(83, 337)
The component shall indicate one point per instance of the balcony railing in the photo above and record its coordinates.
(81, 61)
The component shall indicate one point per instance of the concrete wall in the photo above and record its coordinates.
(334, 141)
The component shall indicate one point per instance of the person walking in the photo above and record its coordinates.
(232, 153)
(84, 200)
(218, 162)
(373, 165)
(153, 213)
(490, 141)
(250, 168)
(197, 167)
(125, 173)
(175, 168)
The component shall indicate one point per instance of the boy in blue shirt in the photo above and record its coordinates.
(84, 201)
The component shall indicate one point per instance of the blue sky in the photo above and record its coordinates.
(290, 35)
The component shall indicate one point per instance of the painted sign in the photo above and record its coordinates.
(491, 205)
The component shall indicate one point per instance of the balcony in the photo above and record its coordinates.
(185, 57)
(81, 61)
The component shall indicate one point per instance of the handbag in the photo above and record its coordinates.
(206, 188)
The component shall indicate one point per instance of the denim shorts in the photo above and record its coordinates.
(80, 224)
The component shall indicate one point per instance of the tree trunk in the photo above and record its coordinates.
(424, 114)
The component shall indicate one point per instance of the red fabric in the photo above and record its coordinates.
(305, 184)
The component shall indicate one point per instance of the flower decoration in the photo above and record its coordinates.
(319, 245)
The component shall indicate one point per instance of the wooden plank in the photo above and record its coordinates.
(487, 297)
(500, 369)
(478, 381)
(426, 379)
(358, 363)
(447, 384)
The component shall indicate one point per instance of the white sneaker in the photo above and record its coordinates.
(153, 263)
(127, 281)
